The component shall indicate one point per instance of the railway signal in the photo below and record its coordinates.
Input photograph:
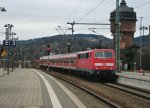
(48, 50)
(68, 47)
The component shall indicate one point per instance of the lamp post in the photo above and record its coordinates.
(8, 30)
(8, 36)
(13, 36)
(13, 39)
(143, 28)
(140, 43)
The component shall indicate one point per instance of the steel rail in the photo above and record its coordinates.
(131, 90)
(103, 99)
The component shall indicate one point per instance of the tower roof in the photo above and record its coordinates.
(124, 8)
(125, 12)
(123, 3)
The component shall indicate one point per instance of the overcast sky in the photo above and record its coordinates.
(40, 18)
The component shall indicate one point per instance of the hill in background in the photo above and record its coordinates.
(35, 48)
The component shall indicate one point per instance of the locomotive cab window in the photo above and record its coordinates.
(99, 55)
(103, 54)
(108, 54)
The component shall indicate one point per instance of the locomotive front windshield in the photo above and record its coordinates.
(103, 54)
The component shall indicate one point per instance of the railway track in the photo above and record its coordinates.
(131, 90)
(98, 90)
(103, 99)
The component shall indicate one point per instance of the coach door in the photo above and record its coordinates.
(90, 59)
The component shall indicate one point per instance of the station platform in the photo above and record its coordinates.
(2, 72)
(30, 88)
(135, 79)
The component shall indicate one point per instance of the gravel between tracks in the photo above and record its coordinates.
(87, 99)
(121, 98)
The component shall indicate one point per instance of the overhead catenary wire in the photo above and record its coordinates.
(109, 4)
(106, 8)
(73, 12)
(87, 13)
(137, 2)
(146, 18)
(91, 11)
(142, 5)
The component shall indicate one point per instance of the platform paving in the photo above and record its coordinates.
(135, 79)
(20, 89)
(28, 88)
(136, 75)
(2, 72)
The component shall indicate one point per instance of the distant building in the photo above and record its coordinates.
(127, 25)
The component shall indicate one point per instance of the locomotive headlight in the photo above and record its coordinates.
(98, 64)
(109, 64)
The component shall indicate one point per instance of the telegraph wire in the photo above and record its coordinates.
(141, 5)
(146, 18)
(138, 2)
(73, 12)
(91, 11)
(87, 13)
(105, 9)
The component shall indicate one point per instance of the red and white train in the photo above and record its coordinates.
(96, 63)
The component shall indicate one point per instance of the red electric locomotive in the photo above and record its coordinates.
(95, 64)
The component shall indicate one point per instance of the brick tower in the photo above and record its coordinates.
(127, 25)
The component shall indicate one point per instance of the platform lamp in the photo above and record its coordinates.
(143, 28)
(8, 34)
(2, 9)
(13, 67)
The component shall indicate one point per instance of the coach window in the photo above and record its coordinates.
(81, 56)
(61, 61)
(87, 55)
(57, 61)
(72, 61)
(65, 61)
(78, 56)
(53, 61)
